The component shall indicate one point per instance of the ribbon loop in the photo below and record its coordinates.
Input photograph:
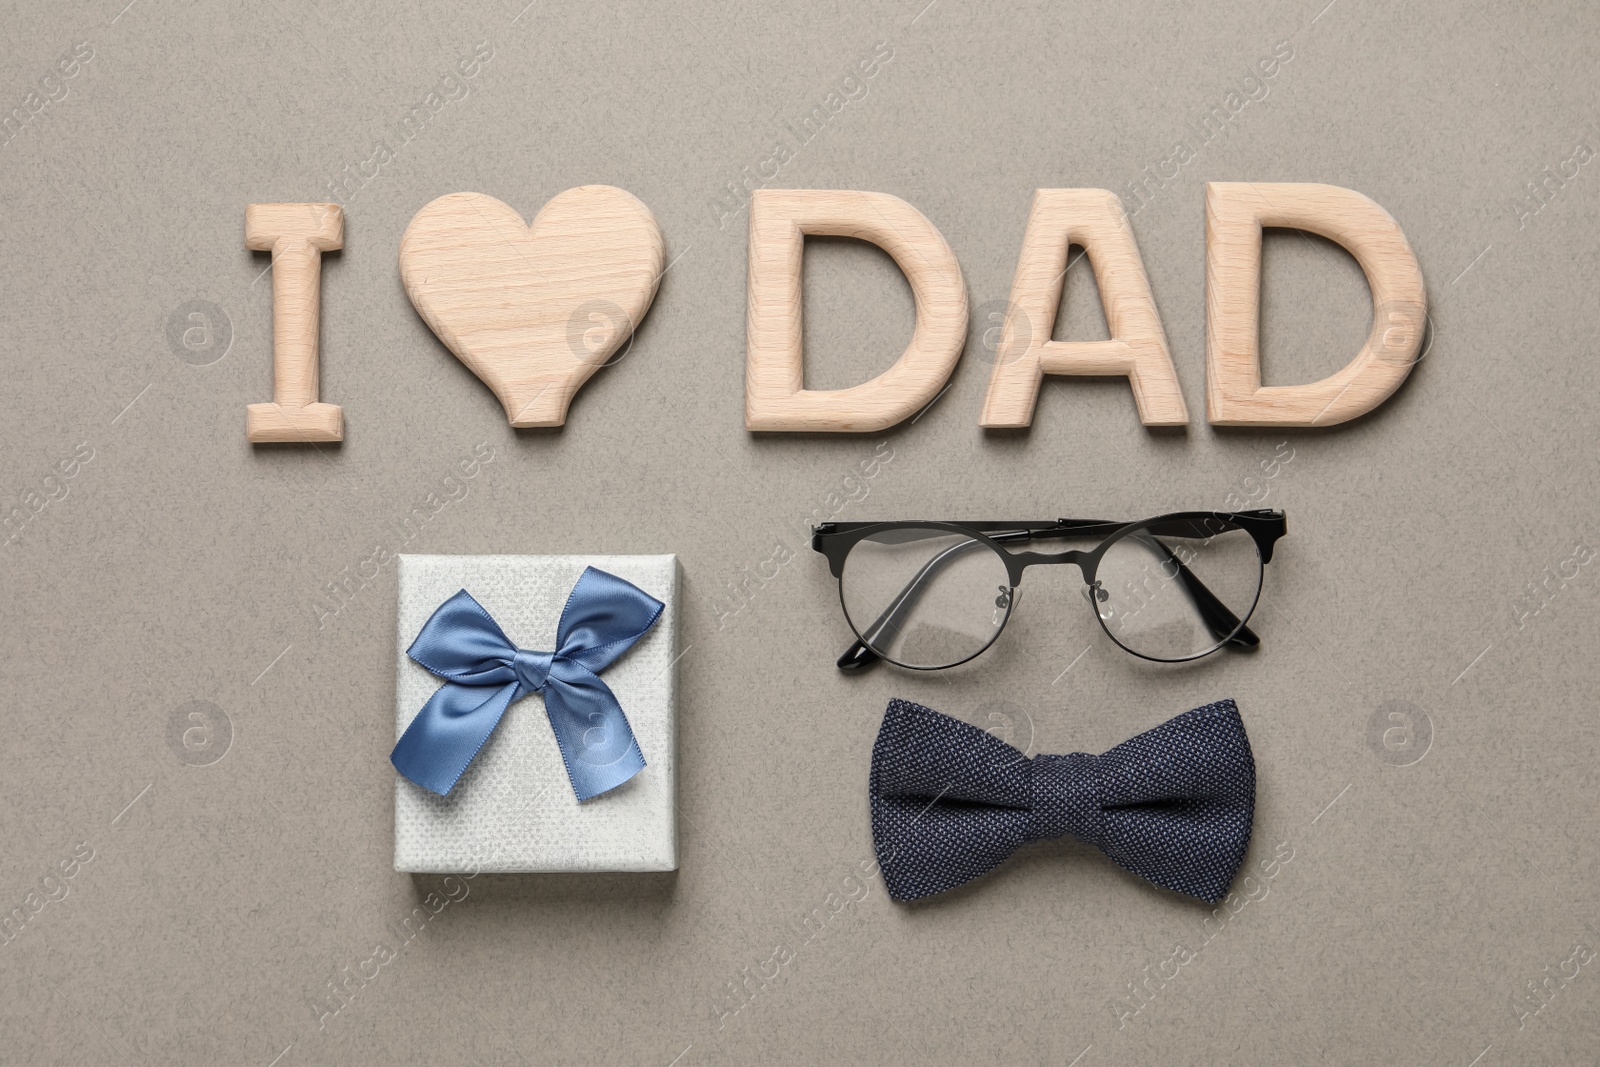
(604, 616)
(484, 673)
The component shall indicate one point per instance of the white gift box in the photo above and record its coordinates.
(514, 809)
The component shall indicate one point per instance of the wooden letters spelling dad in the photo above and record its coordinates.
(534, 310)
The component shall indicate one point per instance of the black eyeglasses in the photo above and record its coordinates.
(930, 595)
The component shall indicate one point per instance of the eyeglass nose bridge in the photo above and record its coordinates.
(1017, 562)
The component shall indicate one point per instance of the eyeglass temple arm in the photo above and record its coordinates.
(856, 658)
(858, 655)
(1218, 618)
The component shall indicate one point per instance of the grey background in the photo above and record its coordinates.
(181, 564)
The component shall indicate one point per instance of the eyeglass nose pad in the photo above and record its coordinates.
(1093, 593)
(1005, 602)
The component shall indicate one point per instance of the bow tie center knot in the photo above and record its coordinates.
(532, 668)
(1066, 798)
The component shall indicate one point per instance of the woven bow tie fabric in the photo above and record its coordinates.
(484, 672)
(951, 802)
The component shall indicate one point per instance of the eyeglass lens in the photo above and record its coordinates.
(925, 598)
(1177, 591)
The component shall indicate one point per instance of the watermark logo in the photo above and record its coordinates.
(199, 733)
(199, 332)
(602, 744)
(595, 329)
(1402, 334)
(1007, 722)
(1399, 733)
(989, 329)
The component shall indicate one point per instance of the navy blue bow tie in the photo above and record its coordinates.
(951, 802)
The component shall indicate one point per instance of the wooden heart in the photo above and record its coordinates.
(533, 310)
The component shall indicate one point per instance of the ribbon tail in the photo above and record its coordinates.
(597, 744)
(447, 733)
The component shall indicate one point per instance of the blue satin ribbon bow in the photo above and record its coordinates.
(484, 672)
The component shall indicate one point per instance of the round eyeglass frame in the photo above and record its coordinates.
(1264, 527)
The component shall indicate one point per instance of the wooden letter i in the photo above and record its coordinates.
(296, 235)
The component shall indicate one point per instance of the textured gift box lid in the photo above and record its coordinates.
(514, 809)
